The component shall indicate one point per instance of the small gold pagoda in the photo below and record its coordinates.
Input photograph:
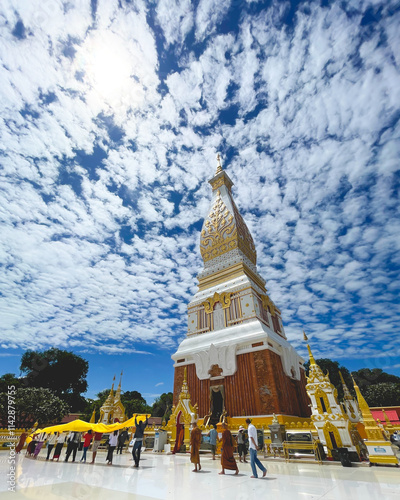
(379, 448)
(331, 421)
(182, 417)
(113, 409)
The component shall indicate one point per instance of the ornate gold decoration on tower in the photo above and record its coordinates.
(224, 229)
(379, 449)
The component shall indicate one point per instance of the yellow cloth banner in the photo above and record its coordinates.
(82, 426)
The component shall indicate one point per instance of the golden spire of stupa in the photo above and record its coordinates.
(219, 166)
(312, 360)
(346, 391)
(110, 399)
(118, 391)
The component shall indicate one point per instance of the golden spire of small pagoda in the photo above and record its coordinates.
(219, 166)
(118, 391)
(346, 391)
(371, 427)
(110, 399)
(312, 360)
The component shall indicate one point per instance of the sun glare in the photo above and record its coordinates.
(107, 68)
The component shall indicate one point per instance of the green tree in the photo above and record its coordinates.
(333, 368)
(63, 372)
(382, 394)
(7, 380)
(134, 402)
(33, 404)
(366, 377)
(162, 406)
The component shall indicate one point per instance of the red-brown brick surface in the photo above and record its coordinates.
(259, 387)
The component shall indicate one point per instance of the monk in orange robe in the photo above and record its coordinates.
(227, 459)
(195, 442)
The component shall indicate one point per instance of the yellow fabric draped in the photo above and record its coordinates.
(82, 426)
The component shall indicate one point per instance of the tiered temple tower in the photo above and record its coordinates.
(334, 426)
(113, 409)
(238, 360)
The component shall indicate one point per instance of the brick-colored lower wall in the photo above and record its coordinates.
(259, 387)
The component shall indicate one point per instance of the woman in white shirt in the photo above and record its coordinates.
(51, 441)
(112, 443)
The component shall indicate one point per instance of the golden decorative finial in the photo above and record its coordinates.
(93, 418)
(219, 166)
(185, 389)
(346, 391)
(310, 354)
(388, 422)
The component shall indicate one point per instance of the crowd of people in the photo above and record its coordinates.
(74, 440)
(228, 461)
(116, 440)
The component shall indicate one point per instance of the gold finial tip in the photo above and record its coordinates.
(219, 166)
(305, 336)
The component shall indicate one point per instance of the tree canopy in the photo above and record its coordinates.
(7, 380)
(366, 377)
(333, 368)
(63, 372)
(34, 404)
(162, 406)
(382, 394)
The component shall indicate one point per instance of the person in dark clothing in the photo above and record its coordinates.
(74, 439)
(140, 427)
(121, 441)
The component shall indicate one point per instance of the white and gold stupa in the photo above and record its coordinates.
(238, 360)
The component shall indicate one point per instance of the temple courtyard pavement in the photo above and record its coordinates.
(165, 477)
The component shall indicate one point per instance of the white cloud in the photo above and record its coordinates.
(104, 255)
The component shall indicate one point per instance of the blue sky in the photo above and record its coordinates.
(112, 113)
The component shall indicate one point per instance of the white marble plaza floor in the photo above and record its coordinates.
(165, 477)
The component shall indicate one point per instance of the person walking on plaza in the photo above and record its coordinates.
(227, 459)
(254, 460)
(121, 441)
(241, 444)
(74, 439)
(112, 444)
(51, 441)
(213, 440)
(195, 442)
(87, 438)
(96, 444)
(139, 432)
(59, 446)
